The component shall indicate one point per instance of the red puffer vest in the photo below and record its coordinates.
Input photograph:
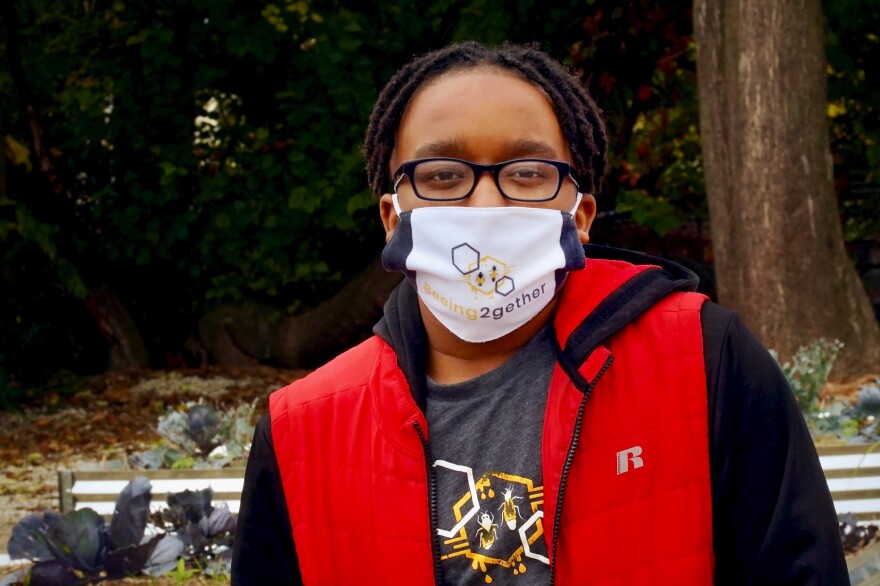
(625, 452)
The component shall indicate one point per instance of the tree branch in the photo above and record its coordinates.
(16, 69)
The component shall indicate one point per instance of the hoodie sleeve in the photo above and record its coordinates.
(263, 551)
(774, 521)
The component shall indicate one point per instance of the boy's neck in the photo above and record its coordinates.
(452, 360)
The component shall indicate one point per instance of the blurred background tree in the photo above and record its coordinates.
(779, 248)
(183, 182)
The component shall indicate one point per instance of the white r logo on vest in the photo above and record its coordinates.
(627, 457)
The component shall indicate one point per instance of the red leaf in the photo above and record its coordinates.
(606, 82)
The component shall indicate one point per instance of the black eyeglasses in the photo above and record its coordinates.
(445, 179)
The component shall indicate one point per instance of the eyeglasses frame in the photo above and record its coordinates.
(407, 168)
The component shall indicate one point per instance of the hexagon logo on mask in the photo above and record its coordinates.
(484, 274)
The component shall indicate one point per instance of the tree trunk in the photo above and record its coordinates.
(779, 251)
(127, 349)
(246, 335)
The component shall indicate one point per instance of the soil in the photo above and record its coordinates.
(98, 422)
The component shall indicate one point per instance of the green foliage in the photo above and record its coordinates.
(208, 152)
(639, 61)
(808, 370)
(852, 44)
(181, 574)
(838, 420)
(208, 147)
(655, 212)
(184, 463)
(849, 421)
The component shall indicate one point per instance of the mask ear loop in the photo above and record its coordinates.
(577, 202)
(397, 204)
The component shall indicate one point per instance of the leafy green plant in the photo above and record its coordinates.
(851, 421)
(196, 435)
(807, 371)
(847, 420)
(181, 573)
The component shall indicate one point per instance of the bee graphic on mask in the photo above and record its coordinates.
(483, 275)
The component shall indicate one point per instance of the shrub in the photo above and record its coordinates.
(842, 420)
(808, 371)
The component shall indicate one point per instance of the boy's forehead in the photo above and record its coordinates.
(514, 148)
(481, 114)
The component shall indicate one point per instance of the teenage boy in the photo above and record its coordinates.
(527, 413)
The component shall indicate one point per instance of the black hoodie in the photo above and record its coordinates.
(773, 518)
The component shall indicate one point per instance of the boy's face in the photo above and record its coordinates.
(484, 116)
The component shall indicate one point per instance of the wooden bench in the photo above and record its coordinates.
(98, 489)
(853, 477)
(853, 474)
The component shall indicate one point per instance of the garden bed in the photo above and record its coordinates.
(97, 423)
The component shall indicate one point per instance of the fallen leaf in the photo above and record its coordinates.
(99, 416)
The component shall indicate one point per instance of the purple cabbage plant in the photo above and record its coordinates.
(199, 436)
(855, 537)
(80, 548)
(207, 531)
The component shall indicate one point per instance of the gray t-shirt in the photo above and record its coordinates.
(486, 441)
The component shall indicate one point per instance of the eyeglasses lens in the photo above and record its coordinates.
(521, 180)
(529, 180)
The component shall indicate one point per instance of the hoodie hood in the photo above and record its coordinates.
(615, 288)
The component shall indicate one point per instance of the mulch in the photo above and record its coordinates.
(94, 421)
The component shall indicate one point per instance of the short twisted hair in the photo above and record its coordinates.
(578, 114)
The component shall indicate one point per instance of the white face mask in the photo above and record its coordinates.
(484, 272)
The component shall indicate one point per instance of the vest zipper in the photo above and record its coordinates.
(569, 458)
(432, 504)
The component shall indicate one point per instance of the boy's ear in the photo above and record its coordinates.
(389, 215)
(584, 216)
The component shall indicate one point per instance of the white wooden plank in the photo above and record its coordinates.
(83, 487)
(106, 507)
(850, 461)
(857, 506)
(853, 483)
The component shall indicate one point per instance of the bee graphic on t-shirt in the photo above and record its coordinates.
(509, 510)
(488, 530)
